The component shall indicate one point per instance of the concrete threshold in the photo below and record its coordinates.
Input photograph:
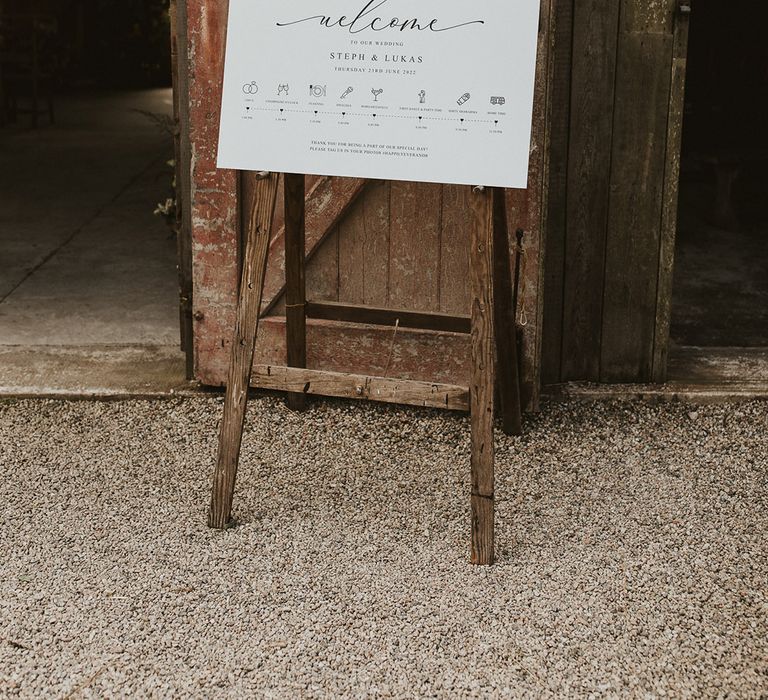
(671, 391)
(94, 372)
(696, 374)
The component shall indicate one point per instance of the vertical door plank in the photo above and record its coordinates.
(595, 26)
(414, 260)
(454, 250)
(364, 248)
(327, 201)
(534, 222)
(352, 253)
(669, 205)
(507, 373)
(376, 258)
(323, 270)
(557, 192)
(632, 251)
(183, 171)
(648, 16)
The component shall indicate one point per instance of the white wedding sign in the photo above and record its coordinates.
(425, 90)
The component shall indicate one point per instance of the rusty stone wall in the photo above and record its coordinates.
(214, 193)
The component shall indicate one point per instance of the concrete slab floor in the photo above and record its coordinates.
(84, 262)
(720, 290)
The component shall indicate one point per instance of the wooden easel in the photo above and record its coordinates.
(493, 348)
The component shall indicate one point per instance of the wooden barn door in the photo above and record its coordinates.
(617, 116)
(400, 247)
(387, 280)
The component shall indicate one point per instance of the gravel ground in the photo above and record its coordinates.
(631, 538)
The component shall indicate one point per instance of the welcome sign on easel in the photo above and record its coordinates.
(433, 90)
(427, 90)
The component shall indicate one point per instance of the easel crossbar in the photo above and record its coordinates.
(362, 387)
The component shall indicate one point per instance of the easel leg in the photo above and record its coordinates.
(507, 367)
(482, 376)
(243, 344)
(295, 285)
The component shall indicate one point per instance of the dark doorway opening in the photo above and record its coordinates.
(86, 157)
(720, 292)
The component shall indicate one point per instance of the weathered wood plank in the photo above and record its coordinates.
(504, 326)
(648, 16)
(361, 387)
(534, 223)
(632, 250)
(481, 383)
(414, 268)
(327, 203)
(247, 189)
(241, 352)
(519, 205)
(352, 253)
(697, 392)
(431, 356)
(559, 139)
(376, 260)
(669, 198)
(353, 313)
(183, 162)
(364, 248)
(454, 250)
(295, 283)
(360, 349)
(323, 270)
(595, 26)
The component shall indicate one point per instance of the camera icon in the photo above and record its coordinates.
(317, 90)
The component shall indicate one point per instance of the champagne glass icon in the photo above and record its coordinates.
(376, 93)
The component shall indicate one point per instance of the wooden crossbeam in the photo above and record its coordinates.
(354, 313)
(360, 387)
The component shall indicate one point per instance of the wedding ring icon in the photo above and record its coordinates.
(250, 88)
